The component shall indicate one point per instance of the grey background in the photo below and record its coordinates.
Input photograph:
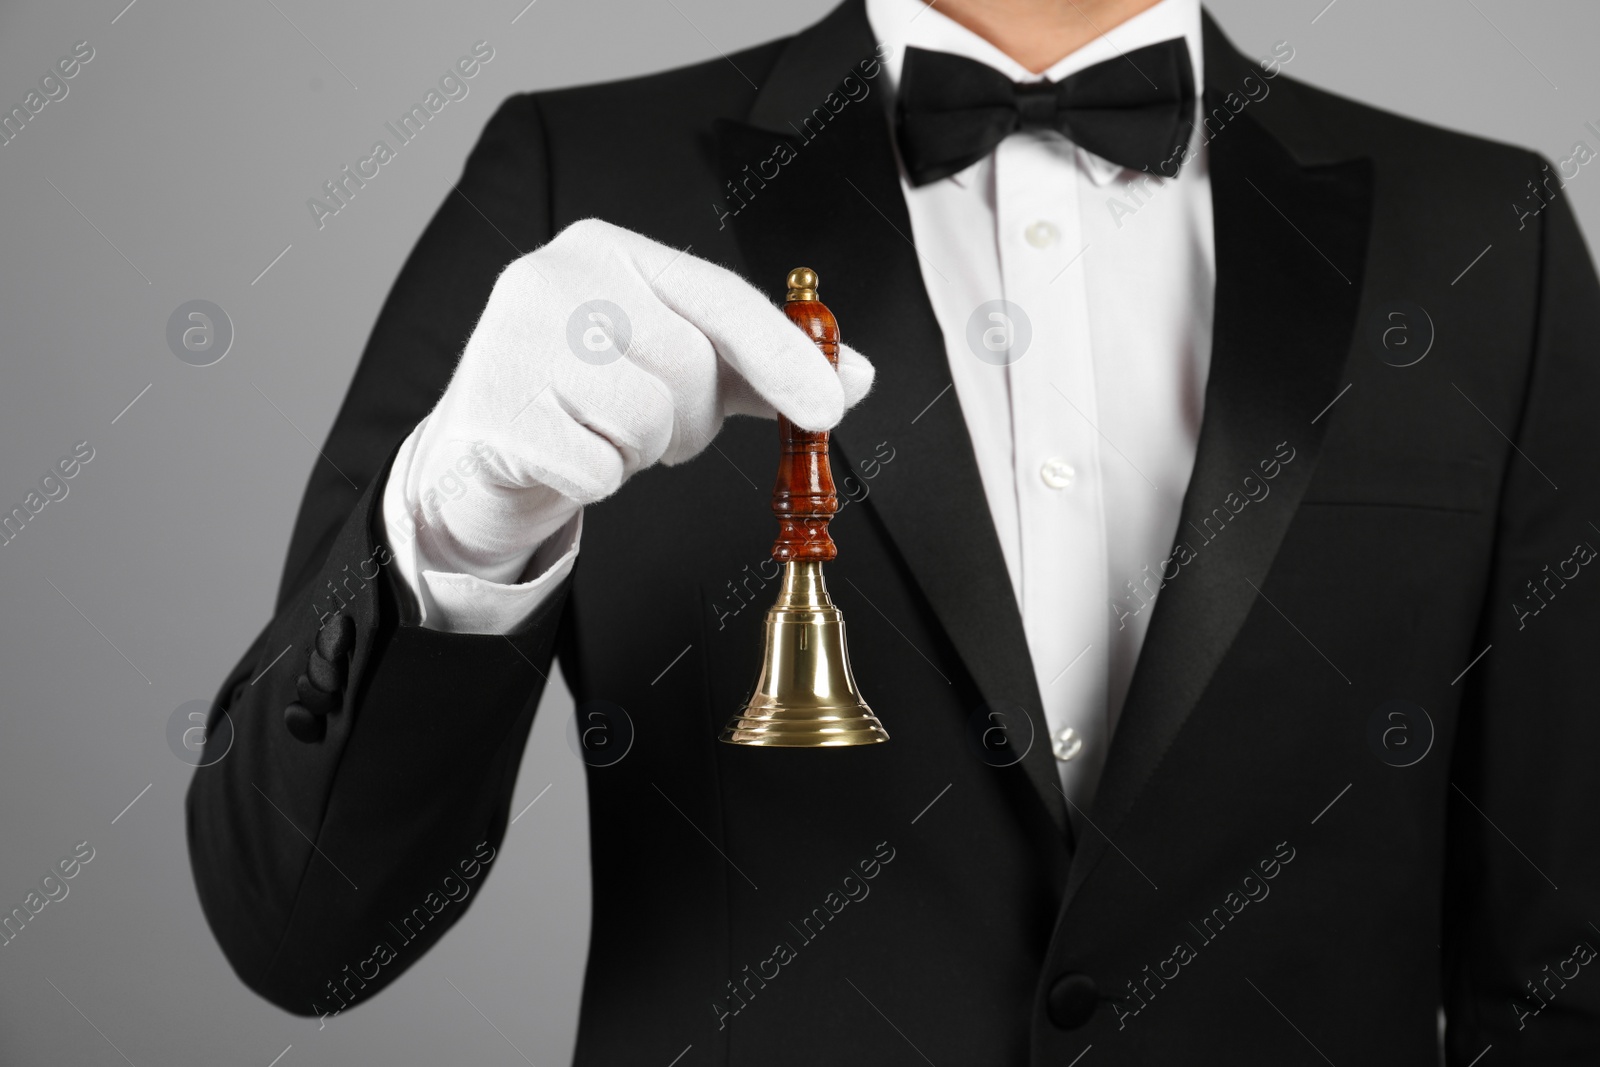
(191, 142)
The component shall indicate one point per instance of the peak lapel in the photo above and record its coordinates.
(835, 204)
(1291, 220)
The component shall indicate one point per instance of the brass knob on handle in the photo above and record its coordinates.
(802, 284)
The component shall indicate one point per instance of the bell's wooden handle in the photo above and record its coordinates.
(803, 498)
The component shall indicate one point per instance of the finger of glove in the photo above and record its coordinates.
(472, 504)
(611, 269)
(677, 363)
(750, 336)
(548, 355)
(546, 445)
(623, 403)
(855, 380)
(856, 375)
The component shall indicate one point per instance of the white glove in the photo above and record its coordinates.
(598, 355)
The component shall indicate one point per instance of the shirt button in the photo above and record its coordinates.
(1068, 743)
(1057, 473)
(1041, 234)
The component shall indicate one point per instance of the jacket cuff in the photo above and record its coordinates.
(337, 628)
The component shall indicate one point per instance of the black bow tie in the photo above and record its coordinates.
(1136, 110)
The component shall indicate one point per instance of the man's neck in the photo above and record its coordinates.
(1039, 33)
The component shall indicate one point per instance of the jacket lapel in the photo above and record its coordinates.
(1292, 214)
(836, 205)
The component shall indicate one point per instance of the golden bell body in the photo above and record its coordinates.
(806, 696)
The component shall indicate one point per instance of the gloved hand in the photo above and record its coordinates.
(599, 354)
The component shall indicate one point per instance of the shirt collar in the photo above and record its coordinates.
(901, 23)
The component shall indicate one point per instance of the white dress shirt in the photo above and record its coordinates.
(1085, 438)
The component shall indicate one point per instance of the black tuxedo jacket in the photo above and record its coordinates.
(1258, 879)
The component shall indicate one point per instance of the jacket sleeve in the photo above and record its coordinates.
(329, 857)
(1523, 863)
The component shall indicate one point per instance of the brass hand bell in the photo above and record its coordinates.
(806, 696)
